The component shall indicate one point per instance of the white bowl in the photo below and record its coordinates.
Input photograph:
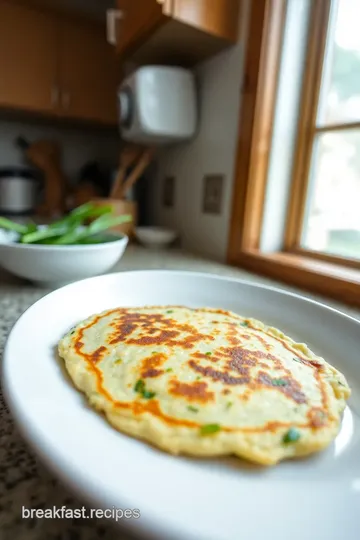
(155, 237)
(56, 265)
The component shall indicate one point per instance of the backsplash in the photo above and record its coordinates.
(79, 145)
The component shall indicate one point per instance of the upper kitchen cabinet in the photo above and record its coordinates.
(88, 73)
(134, 20)
(173, 31)
(28, 53)
(56, 64)
(219, 17)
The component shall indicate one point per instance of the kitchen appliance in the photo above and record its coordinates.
(157, 104)
(19, 189)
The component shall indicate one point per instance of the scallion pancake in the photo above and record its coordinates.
(206, 382)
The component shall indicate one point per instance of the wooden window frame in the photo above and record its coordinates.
(324, 274)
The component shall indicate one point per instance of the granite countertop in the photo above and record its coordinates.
(23, 481)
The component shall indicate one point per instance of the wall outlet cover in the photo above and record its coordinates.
(213, 193)
(169, 191)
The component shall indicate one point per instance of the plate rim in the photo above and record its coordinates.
(247, 282)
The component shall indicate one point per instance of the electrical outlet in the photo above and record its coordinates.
(213, 193)
(169, 191)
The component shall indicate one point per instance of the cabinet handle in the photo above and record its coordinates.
(65, 98)
(54, 96)
(112, 16)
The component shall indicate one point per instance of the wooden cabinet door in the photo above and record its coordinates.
(139, 18)
(28, 54)
(218, 17)
(88, 73)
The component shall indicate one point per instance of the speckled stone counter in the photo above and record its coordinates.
(23, 481)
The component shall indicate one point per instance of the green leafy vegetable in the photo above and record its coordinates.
(244, 323)
(88, 210)
(42, 234)
(169, 369)
(279, 382)
(99, 225)
(229, 404)
(31, 227)
(82, 213)
(209, 429)
(100, 238)
(193, 409)
(139, 386)
(84, 225)
(12, 226)
(148, 395)
(291, 436)
(208, 353)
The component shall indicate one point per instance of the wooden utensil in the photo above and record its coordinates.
(46, 155)
(141, 165)
(127, 157)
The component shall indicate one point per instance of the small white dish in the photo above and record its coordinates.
(155, 237)
(179, 497)
(52, 266)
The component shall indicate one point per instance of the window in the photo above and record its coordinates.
(331, 222)
(317, 244)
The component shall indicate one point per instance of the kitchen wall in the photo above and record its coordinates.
(79, 145)
(211, 152)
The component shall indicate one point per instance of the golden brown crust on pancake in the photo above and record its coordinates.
(206, 382)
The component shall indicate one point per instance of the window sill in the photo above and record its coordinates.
(328, 279)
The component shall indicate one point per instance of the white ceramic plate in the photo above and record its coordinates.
(183, 498)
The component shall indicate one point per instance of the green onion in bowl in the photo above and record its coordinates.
(72, 229)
